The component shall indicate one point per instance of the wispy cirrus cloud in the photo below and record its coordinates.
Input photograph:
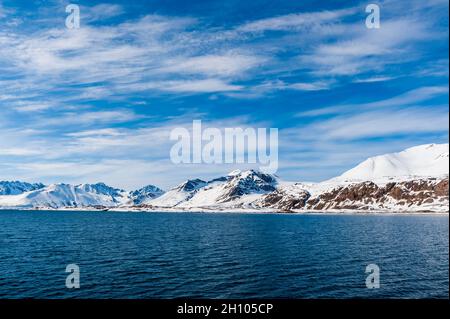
(375, 124)
(414, 96)
(101, 12)
(297, 21)
(367, 52)
(161, 50)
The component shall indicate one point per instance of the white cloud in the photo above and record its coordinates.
(296, 21)
(369, 49)
(199, 86)
(182, 55)
(101, 132)
(213, 65)
(312, 86)
(100, 12)
(375, 79)
(410, 120)
(17, 151)
(414, 96)
(87, 118)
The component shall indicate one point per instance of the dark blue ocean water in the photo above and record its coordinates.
(166, 255)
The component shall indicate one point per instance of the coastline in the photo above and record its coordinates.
(239, 211)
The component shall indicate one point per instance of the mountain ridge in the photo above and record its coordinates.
(415, 179)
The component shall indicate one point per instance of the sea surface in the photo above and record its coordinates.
(222, 255)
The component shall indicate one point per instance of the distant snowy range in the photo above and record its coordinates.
(414, 180)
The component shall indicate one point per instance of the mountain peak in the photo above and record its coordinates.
(428, 160)
(248, 182)
(252, 172)
(101, 189)
(191, 184)
(146, 193)
(235, 172)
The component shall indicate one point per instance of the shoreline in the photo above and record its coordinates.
(237, 211)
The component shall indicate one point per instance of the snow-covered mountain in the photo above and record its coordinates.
(101, 189)
(177, 195)
(236, 188)
(16, 187)
(415, 179)
(66, 196)
(419, 161)
(141, 196)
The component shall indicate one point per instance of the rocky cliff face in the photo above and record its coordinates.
(285, 199)
(426, 194)
(416, 195)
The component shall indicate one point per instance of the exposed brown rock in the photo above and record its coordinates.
(441, 189)
(284, 201)
(368, 195)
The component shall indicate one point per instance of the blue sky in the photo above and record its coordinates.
(98, 103)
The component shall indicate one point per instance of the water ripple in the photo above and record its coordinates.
(154, 255)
